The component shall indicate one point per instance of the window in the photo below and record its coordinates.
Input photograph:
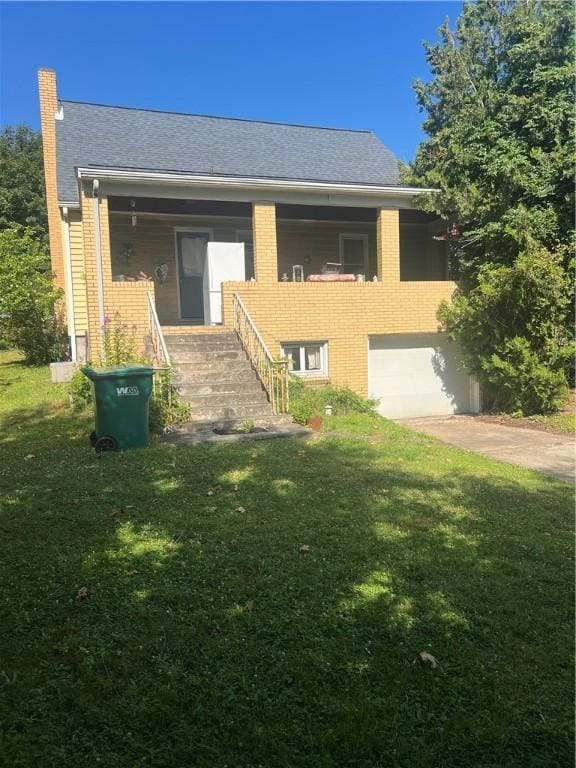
(354, 254)
(306, 358)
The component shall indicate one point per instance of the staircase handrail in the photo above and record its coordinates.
(272, 373)
(156, 336)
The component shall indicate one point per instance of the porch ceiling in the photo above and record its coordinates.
(169, 206)
(179, 207)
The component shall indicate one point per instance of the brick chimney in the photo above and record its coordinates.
(48, 108)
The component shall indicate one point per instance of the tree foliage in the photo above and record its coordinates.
(27, 296)
(512, 329)
(22, 198)
(499, 117)
(500, 149)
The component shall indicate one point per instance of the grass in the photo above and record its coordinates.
(209, 638)
(562, 423)
(558, 422)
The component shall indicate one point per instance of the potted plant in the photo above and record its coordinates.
(314, 422)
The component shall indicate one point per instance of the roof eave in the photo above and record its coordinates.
(254, 183)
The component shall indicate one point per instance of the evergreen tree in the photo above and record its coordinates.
(500, 121)
(22, 198)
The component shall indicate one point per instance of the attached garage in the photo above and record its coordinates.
(418, 375)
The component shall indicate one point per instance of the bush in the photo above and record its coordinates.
(307, 401)
(119, 348)
(511, 330)
(525, 385)
(80, 391)
(119, 343)
(28, 298)
(166, 410)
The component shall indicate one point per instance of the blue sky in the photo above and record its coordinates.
(338, 64)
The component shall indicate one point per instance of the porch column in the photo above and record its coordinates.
(388, 245)
(264, 236)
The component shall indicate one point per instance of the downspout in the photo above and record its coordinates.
(99, 271)
(71, 320)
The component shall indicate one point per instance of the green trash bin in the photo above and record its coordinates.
(122, 396)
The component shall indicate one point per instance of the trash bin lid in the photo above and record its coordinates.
(118, 371)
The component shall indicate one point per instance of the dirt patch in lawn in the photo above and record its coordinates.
(563, 422)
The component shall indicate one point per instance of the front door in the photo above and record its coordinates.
(191, 262)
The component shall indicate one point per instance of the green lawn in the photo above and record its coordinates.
(208, 638)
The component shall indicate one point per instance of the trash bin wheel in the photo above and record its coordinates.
(105, 443)
(93, 438)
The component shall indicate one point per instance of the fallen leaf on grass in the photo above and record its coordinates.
(235, 487)
(131, 573)
(428, 659)
(240, 509)
(170, 546)
(249, 605)
(304, 548)
(82, 593)
(30, 456)
(210, 493)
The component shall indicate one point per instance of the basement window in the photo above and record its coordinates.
(306, 358)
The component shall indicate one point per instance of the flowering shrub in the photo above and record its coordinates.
(119, 343)
(119, 348)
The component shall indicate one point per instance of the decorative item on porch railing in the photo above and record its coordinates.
(159, 348)
(272, 373)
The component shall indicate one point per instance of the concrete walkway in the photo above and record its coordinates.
(545, 452)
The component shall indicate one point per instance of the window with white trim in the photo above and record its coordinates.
(306, 358)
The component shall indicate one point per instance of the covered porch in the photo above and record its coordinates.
(167, 243)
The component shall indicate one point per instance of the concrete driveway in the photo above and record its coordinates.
(545, 452)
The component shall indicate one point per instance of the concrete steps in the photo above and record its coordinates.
(224, 399)
(215, 377)
(218, 380)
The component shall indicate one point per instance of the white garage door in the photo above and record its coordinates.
(417, 375)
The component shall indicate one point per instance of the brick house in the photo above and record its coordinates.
(289, 242)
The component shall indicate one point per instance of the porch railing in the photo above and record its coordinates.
(159, 348)
(272, 373)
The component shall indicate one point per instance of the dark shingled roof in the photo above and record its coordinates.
(120, 137)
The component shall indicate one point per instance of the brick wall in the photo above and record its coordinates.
(342, 314)
(48, 107)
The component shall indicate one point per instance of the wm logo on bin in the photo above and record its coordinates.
(121, 391)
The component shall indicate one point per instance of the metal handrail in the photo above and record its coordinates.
(272, 373)
(156, 336)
